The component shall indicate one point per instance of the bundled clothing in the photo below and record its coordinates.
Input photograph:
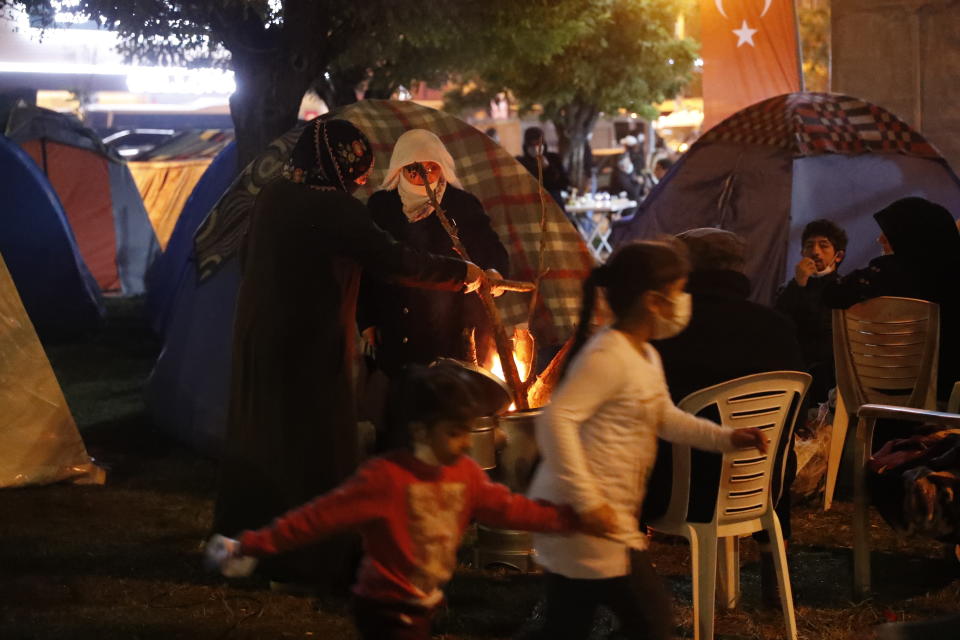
(925, 264)
(814, 329)
(419, 326)
(411, 516)
(728, 337)
(291, 431)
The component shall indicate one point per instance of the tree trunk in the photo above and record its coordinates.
(574, 124)
(339, 88)
(266, 102)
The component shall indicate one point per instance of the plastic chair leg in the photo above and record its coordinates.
(728, 571)
(861, 506)
(772, 525)
(703, 564)
(838, 436)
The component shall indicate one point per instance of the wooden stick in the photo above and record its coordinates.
(504, 349)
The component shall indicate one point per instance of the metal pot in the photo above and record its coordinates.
(483, 442)
(519, 457)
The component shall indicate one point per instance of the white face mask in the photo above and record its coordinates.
(824, 272)
(667, 327)
(416, 202)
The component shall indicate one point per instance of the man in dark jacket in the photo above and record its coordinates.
(728, 337)
(801, 300)
(554, 175)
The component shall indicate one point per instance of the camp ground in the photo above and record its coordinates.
(101, 202)
(768, 170)
(187, 391)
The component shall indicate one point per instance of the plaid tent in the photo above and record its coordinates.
(507, 191)
(771, 168)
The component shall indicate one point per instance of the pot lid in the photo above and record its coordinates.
(495, 394)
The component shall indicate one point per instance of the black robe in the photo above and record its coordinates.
(291, 432)
(417, 326)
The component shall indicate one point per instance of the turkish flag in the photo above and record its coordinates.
(749, 52)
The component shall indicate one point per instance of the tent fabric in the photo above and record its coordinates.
(82, 179)
(768, 170)
(55, 286)
(167, 174)
(165, 187)
(39, 441)
(175, 262)
(509, 194)
(188, 390)
(78, 177)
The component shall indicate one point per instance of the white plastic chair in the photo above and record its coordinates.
(886, 351)
(770, 402)
(868, 415)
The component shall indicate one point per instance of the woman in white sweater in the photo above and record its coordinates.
(598, 444)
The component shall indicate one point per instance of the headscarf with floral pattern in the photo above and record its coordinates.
(329, 155)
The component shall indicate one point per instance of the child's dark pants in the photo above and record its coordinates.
(377, 620)
(639, 600)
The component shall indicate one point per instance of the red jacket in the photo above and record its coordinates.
(411, 516)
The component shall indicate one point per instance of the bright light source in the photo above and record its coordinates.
(682, 147)
(698, 62)
(180, 80)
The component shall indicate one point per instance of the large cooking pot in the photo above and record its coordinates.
(519, 457)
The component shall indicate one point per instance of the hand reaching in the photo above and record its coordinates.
(224, 555)
(493, 276)
(471, 281)
(600, 521)
(746, 438)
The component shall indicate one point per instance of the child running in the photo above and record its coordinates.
(411, 508)
(598, 443)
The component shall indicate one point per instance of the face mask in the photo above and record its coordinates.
(414, 198)
(667, 327)
(626, 165)
(826, 271)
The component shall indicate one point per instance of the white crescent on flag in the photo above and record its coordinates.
(766, 7)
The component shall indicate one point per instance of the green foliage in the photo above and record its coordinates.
(815, 43)
(626, 56)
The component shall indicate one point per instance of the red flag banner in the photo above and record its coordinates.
(750, 53)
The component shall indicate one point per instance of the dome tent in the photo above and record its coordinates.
(98, 194)
(768, 170)
(188, 390)
(54, 284)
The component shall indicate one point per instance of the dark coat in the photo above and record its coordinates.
(291, 432)
(555, 177)
(814, 321)
(417, 325)
(728, 337)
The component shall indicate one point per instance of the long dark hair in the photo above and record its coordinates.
(630, 272)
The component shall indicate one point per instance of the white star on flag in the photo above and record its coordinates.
(744, 35)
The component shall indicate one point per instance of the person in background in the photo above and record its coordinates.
(728, 337)
(493, 134)
(411, 508)
(555, 177)
(923, 263)
(597, 438)
(661, 167)
(417, 326)
(823, 244)
(633, 147)
(623, 179)
(291, 425)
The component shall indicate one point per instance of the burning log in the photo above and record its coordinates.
(543, 385)
(486, 297)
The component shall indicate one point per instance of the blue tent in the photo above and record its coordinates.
(768, 170)
(57, 290)
(196, 321)
(99, 197)
(176, 262)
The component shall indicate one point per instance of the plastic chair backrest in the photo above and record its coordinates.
(886, 352)
(769, 401)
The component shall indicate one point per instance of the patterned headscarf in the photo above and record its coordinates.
(329, 155)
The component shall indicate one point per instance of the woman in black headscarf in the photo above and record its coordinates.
(555, 177)
(924, 264)
(291, 431)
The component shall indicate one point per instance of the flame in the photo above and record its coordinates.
(523, 369)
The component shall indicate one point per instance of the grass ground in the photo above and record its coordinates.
(122, 561)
